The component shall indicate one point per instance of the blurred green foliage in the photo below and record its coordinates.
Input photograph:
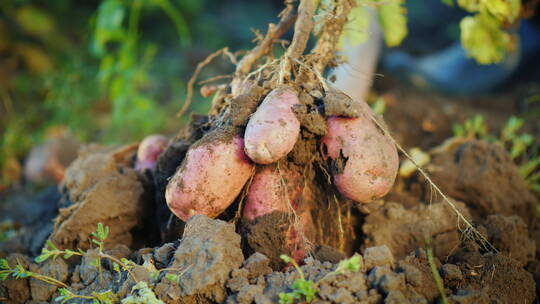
(110, 71)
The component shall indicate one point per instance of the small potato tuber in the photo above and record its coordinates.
(212, 174)
(267, 192)
(274, 190)
(273, 129)
(149, 150)
(365, 160)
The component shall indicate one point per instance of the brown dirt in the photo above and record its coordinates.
(484, 177)
(404, 230)
(100, 186)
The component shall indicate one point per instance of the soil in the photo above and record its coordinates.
(228, 260)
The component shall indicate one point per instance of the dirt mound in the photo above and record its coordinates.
(510, 236)
(100, 186)
(404, 230)
(484, 177)
(209, 251)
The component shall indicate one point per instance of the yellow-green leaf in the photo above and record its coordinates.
(483, 39)
(503, 10)
(393, 19)
(34, 21)
(355, 31)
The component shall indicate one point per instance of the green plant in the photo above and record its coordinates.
(105, 297)
(125, 64)
(141, 294)
(303, 290)
(19, 272)
(474, 127)
(435, 272)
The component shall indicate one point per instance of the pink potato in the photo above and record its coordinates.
(210, 178)
(267, 194)
(365, 159)
(272, 191)
(299, 236)
(149, 150)
(273, 129)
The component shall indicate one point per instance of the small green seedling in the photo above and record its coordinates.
(351, 264)
(474, 127)
(51, 251)
(106, 297)
(302, 289)
(141, 294)
(306, 290)
(19, 272)
(435, 272)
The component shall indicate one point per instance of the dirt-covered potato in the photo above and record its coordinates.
(211, 176)
(365, 160)
(281, 190)
(273, 129)
(149, 150)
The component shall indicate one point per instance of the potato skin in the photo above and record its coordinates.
(267, 194)
(209, 179)
(273, 129)
(148, 152)
(366, 160)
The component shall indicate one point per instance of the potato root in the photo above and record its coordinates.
(211, 176)
(273, 129)
(149, 150)
(365, 160)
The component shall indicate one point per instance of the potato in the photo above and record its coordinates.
(267, 192)
(365, 160)
(272, 191)
(211, 176)
(273, 129)
(149, 150)
(299, 236)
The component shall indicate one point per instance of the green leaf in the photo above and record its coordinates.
(305, 288)
(502, 10)
(110, 16)
(355, 31)
(286, 258)
(286, 298)
(393, 19)
(4, 265)
(68, 254)
(511, 127)
(35, 21)
(483, 39)
(172, 277)
(4, 276)
(50, 244)
(42, 258)
(527, 168)
(520, 144)
(351, 264)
